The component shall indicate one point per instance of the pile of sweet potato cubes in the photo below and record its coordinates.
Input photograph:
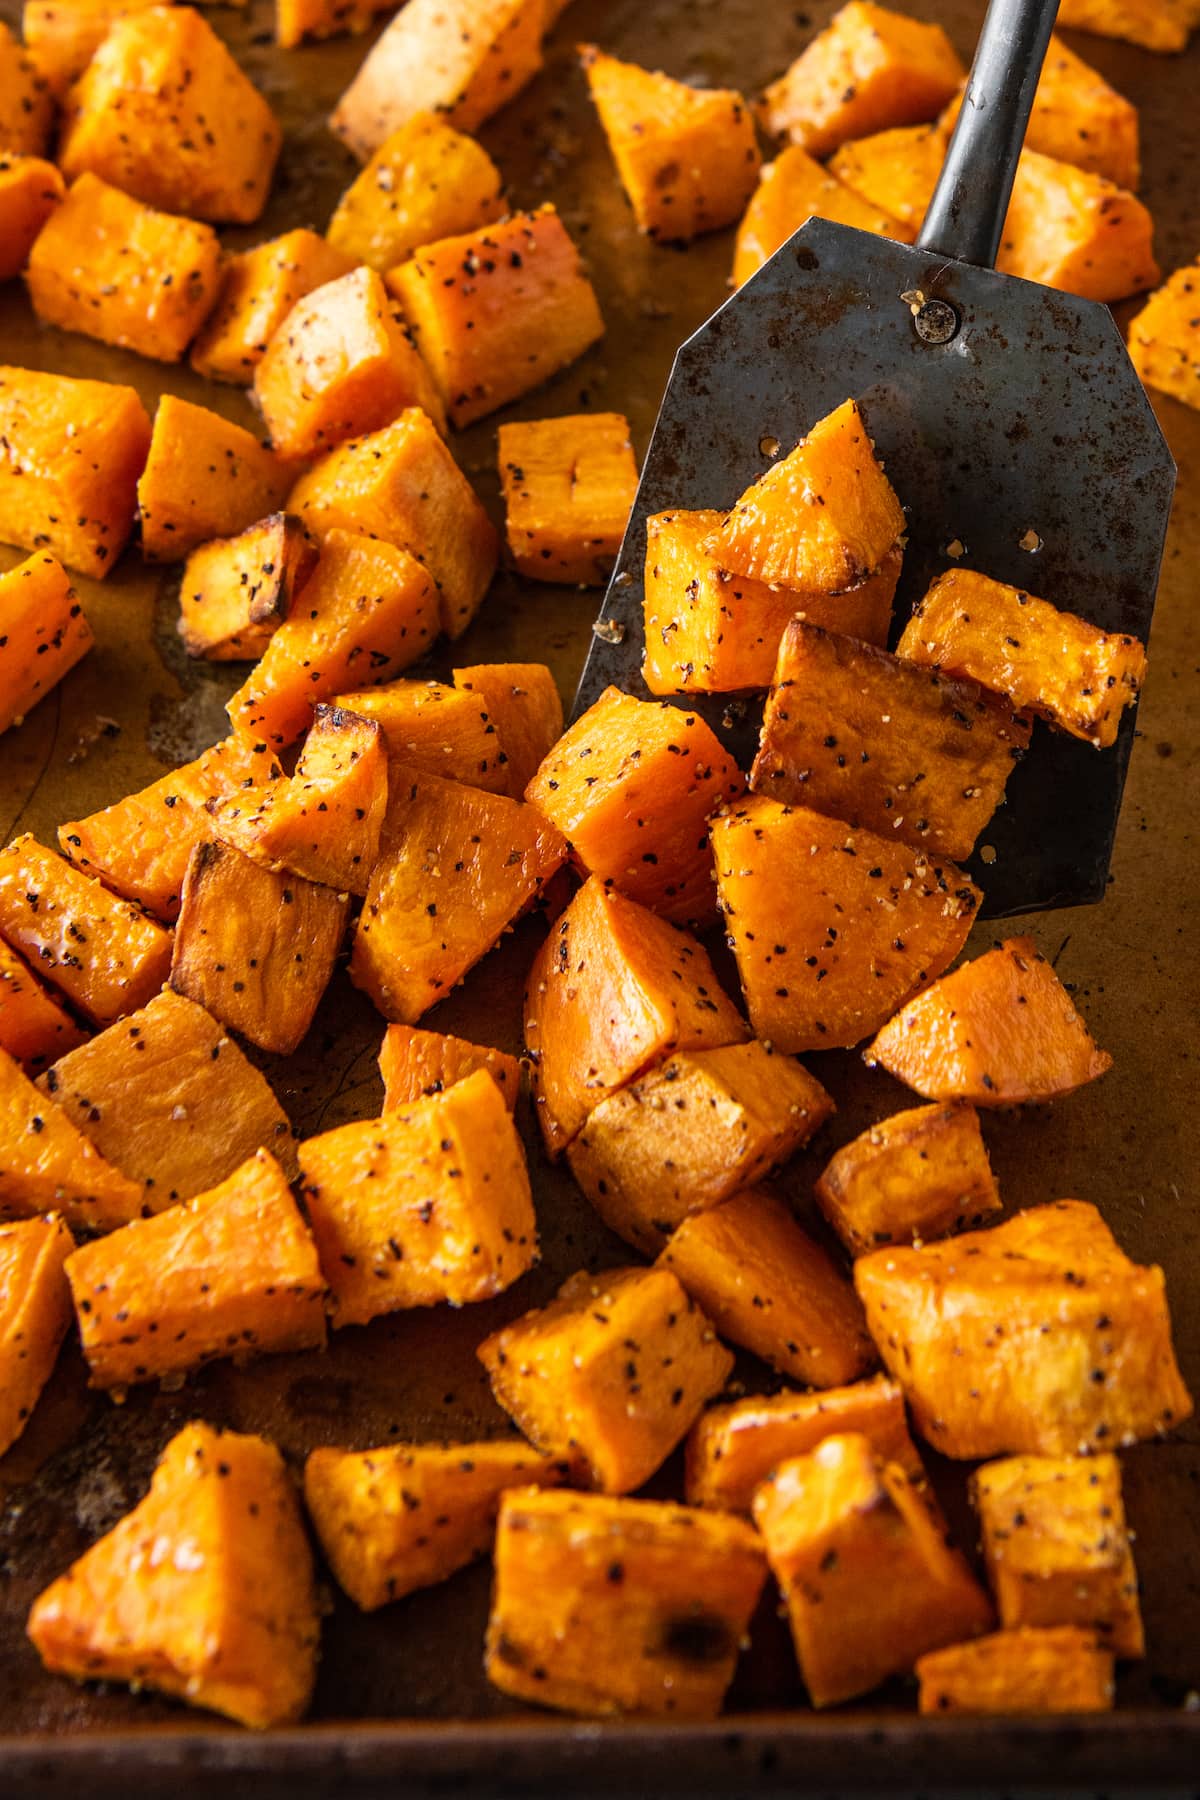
(159, 1203)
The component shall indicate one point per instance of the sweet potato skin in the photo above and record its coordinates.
(43, 634)
(35, 1310)
(1058, 1670)
(569, 486)
(418, 1064)
(258, 289)
(47, 1165)
(30, 189)
(916, 1175)
(34, 1028)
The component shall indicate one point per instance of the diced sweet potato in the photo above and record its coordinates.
(792, 189)
(46, 1165)
(708, 631)
(164, 112)
(30, 189)
(205, 477)
(418, 1064)
(116, 270)
(1056, 1546)
(1164, 337)
(1019, 1672)
(435, 729)
(34, 1028)
(296, 20)
(610, 1375)
(871, 68)
(141, 844)
(205, 1590)
(233, 1272)
(1031, 1312)
(64, 35)
(35, 1310)
(919, 756)
(43, 634)
(427, 1204)
(259, 288)
(916, 1175)
(999, 1031)
(426, 181)
(170, 1100)
(832, 929)
(237, 591)
(896, 171)
(689, 1133)
(461, 58)
(26, 101)
(870, 1580)
(768, 1286)
(456, 868)
(106, 956)
(72, 454)
(569, 486)
(1154, 24)
(1068, 228)
(498, 311)
(367, 611)
(401, 484)
(524, 705)
(687, 157)
(1053, 663)
(619, 1606)
(255, 948)
(407, 1516)
(823, 518)
(733, 1449)
(612, 990)
(632, 785)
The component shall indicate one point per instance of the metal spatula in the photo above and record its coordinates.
(1011, 423)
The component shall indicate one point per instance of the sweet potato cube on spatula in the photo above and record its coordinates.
(917, 1175)
(205, 477)
(35, 1310)
(610, 1375)
(43, 634)
(523, 703)
(237, 591)
(1057, 1670)
(30, 189)
(569, 486)
(1164, 337)
(895, 170)
(608, 1606)
(426, 181)
(205, 1590)
(792, 189)
(407, 1516)
(417, 1064)
(1153, 24)
(34, 1028)
(1032, 1311)
(1069, 228)
(26, 100)
(259, 288)
(47, 1165)
(690, 1132)
(430, 728)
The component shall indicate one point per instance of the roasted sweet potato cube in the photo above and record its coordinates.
(401, 484)
(426, 181)
(205, 477)
(255, 948)
(429, 1203)
(871, 68)
(35, 1310)
(607, 1606)
(822, 519)
(766, 1285)
(1061, 1670)
(237, 591)
(296, 20)
(30, 189)
(733, 1449)
(498, 311)
(1154, 24)
(140, 845)
(259, 288)
(233, 1272)
(568, 491)
(999, 1031)
(1057, 1548)
(463, 59)
(408, 1515)
(832, 929)
(919, 756)
(418, 1064)
(73, 451)
(106, 956)
(1164, 337)
(430, 727)
(1068, 228)
(896, 171)
(164, 112)
(43, 634)
(64, 35)
(610, 1375)
(34, 1028)
(523, 703)
(205, 1590)
(1032, 1311)
(170, 1100)
(632, 785)
(119, 271)
(870, 1580)
(1052, 663)
(456, 868)
(916, 1175)
(46, 1165)
(612, 990)
(689, 1133)
(688, 157)
(367, 611)
(792, 189)
(26, 100)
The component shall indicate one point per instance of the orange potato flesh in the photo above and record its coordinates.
(27, 109)
(895, 170)
(917, 1175)
(35, 1311)
(424, 182)
(792, 189)
(259, 288)
(523, 703)
(569, 486)
(296, 20)
(63, 38)
(1153, 24)
(418, 1064)
(30, 189)
(1068, 228)
(34, 1028)
(47, 1165)
(1164, 337)
(237, 591)
(204, 478)
(43, 634)
(1060, 1670)
(434, 729)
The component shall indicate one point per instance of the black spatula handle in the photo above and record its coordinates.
(966, 214)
